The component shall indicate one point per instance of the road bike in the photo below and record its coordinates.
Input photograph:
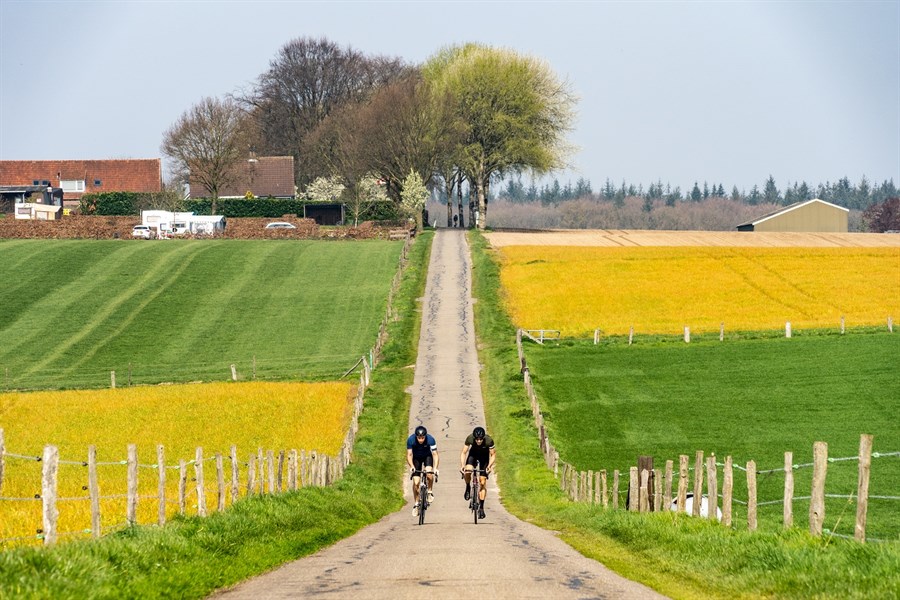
(423, 492)
(474, 502)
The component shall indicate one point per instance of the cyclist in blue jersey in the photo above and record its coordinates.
(422, 455)
(478, 448)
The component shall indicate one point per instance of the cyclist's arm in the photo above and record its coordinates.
(463, 455)
(490, 467)
(409, 459)
(437, 459)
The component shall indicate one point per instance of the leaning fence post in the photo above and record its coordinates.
(49, 480)
(94, 491)
(817, 497)
(788, 490)
(751, 495)
(161, 489)
(131, 510)
(862, 490)
(235, 481)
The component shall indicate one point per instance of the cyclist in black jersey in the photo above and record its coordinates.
(422, 455)
(479, 447)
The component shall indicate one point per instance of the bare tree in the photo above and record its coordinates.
(308, 80)
(207, 142)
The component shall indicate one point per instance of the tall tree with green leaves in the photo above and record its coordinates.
(413, 197)
(514, 108)
(771, 195)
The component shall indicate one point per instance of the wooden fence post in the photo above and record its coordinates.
(161, 488)
(667, 500)
(235, 474)
(722, 331)
(891, 324)
(615, 490)
(787, 329)
(788, 510)
(633, 491)
(94, 492)
(644, 492)
(49, 481)
(596, 336)
(657, 490)
(712, 488)
(182, 485)
(112, 379)
(727, 491)
(270, 459)
(698, 483)
(682, 481)
(280, 471)
(233, 373)
(751, 495)
(251, 475)
(646, 462)
(261, 471)
(862, 490)
(630, 334)
(842, 324)
(589, 488)
(292, 470)
(2, 457)
(201, 488)
(220, 481)
(687, 334)
(817, 496)
(131, 509)
(604, 497)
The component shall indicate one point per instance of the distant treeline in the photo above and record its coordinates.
(842, 193)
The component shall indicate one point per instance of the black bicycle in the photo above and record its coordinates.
(474, 502)
(423, 492)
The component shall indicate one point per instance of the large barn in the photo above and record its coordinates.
(813, 215)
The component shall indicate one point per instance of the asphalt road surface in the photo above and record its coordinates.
(449, 556)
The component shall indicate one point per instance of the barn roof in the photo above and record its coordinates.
(789, 208)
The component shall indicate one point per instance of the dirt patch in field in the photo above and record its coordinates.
(624, 238)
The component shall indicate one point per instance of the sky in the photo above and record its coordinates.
(677, 92)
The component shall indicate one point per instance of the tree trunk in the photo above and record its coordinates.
(459, 180)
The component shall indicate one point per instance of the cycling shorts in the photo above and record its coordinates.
(420, 462)
(483, 460)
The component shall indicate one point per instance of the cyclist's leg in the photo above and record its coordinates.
(429, 471)
(417, 465)
(470, 466)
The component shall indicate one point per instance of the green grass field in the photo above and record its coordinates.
(680, 556)
(751, 399)
(185, 310)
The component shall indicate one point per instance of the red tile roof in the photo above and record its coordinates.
(268, 176)
(114, 175)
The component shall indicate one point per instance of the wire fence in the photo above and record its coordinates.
(650, 489)
(49, 515)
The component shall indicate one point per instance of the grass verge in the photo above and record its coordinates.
(678, 556)
(191, 557)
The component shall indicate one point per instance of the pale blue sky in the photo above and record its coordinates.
(727, 92)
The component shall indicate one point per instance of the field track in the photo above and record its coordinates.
(734, 239)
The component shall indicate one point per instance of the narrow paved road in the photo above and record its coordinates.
(448, 557)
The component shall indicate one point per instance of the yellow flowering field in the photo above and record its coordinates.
(215, 416)
(663, 289)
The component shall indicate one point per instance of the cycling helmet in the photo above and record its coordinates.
(421, 431)
(478, 433)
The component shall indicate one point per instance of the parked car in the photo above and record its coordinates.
(280, 225)
(142, 231)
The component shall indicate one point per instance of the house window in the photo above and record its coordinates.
(36, 182)
(97, 183)
(72, 185)
(45, 182)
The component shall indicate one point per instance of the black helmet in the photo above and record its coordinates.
(421, 431)
(478, 433)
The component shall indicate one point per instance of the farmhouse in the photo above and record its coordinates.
(79, 177)
(813, 215)
(263, 177)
